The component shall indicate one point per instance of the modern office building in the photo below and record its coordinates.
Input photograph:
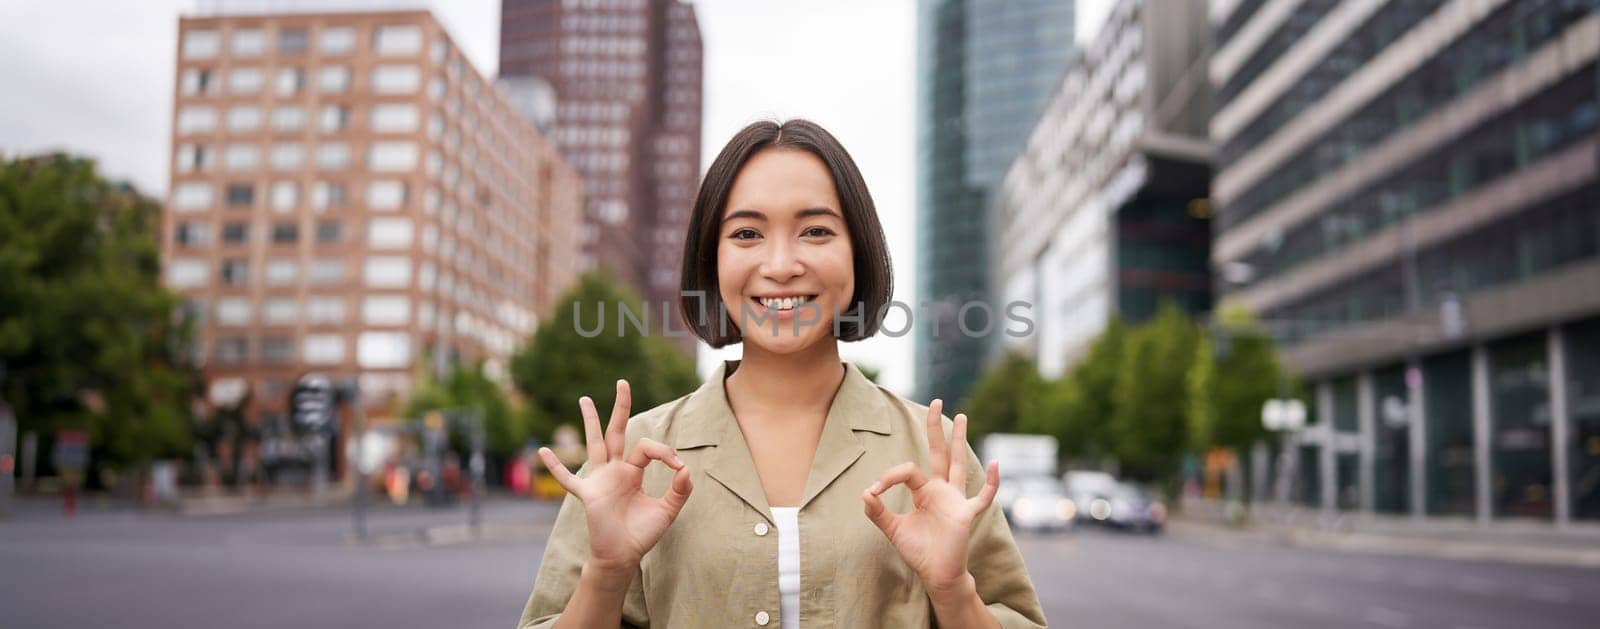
(984, 71)
(1408, 193)
(349, 195)
(626, 76)
(1104, 212)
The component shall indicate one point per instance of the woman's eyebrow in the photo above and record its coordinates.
(810, 211)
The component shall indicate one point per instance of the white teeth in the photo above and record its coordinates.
(785, 303)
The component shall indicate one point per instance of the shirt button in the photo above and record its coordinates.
(761, 529)
(762, 618)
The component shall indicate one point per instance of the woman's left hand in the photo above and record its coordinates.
(932, 537)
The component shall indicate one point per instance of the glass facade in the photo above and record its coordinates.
(1308, 488)
(1519, 446)
(1583, 410)
(1447, 385)
(986, 68)
(1162, 253)
(1391, 441)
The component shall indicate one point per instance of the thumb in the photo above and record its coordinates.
(678, 493)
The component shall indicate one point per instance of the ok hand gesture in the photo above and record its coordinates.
(932, 537)
(624, 522)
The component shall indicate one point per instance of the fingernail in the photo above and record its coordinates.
(676, 460)
(874, 488)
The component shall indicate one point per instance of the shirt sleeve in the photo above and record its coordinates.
(996, 564)
(564, 556)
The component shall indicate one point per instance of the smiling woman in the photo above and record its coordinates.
(821, 496)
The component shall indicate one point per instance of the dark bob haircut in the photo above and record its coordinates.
(700, 297)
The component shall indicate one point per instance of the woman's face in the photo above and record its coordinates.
(783, 252)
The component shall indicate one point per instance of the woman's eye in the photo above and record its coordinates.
(744, 234)
(817, 232)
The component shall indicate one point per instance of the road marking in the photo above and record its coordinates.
(1387, 617)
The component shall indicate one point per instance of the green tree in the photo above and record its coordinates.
(1078, 407)
(1003, 398)
(89, 338)
(1149, 425)
(467, 387)
(561, 364)
(1246, 374)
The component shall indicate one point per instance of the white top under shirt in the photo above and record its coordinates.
(788, 521)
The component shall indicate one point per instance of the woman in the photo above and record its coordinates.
(781, 498)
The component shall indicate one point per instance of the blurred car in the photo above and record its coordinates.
(1084, 486)
(1040, 504)
(1130, 507)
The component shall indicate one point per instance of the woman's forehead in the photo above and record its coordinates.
(782, 182)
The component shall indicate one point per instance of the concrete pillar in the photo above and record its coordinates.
(1560, 426)
(1481, 423)
(1366, 446)
(1329, 442)
(1417, 409)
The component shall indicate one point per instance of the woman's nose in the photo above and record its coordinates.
(781, 262)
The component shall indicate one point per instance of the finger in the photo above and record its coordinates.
(958, 453)
(903, 473)
(991, 485)
(648, 448)
(591, 431)
(938, 455)
(881, 516)
(678, 492)
(558, 470)
(617, 430)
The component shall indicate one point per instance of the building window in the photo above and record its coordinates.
(387, 194)
(333, 156)
(198, 81)
(398, 40)
(383, 350)
(327, 271)
(230, 350)
(187, 273)
(288, 118)
(242, 119)
(335, 118)
(249, 43)
(386, 310)
(291, 81)
(323, 349)
(325, 310)
(196, 119)
(281, 271)
(191, 196)
(287, 156)
(396, 79)
(235, 232)
(388, 272)
(338, 40)
(332, 79)
(241, 195)
(394, 118)
(389, 233)
(245, 81)
(201, 44)
(235, 272)
(329, 232)
(233, 311)
(285, 233)
(193, 158)
(280, 311)
(292, 41)
(327, 195)
(277, 349)
(241, 157)
(285, 195)
(393, 156)
(192, 234)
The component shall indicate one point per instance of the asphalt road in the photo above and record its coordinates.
(124, 568)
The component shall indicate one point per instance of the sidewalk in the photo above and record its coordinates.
(1521, 542)
(200, 503)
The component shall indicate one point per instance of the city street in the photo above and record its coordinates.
(124, 568)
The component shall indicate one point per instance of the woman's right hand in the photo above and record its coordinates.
(624, 522)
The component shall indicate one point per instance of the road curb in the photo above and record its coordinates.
(1414, 546)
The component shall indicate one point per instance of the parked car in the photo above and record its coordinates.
(1130, 507)
(1040, 504)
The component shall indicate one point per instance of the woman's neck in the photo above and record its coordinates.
(780, 384)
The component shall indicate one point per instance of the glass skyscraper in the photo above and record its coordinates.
(985, 70)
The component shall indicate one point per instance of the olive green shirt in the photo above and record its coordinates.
(717, 565)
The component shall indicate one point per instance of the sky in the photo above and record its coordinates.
(95, 77)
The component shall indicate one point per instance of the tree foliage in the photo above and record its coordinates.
(561, 364)
(1149, 425)
(466, 387)
(1002, 398)
(88, 336)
